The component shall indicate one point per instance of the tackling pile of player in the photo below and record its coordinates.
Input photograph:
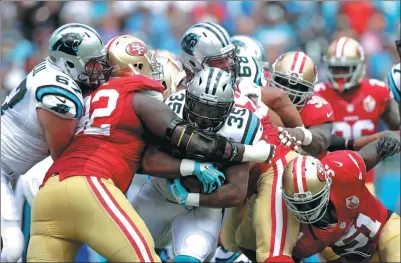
(229, 152)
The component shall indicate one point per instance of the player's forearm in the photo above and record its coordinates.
(391, 115)
(365, 140)
(279, 101)
(321, 139)
(232, 193)
(375, 152)
(159, 164)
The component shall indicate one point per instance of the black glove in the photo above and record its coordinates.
(387, 146)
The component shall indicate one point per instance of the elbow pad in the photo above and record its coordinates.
(209, 147)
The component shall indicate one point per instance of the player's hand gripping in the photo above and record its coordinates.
(387, 146)
(178, 191)
(295, 137)
(211, 178)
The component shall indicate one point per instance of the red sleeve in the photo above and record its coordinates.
(317, 111)
(347, 169)
(380, 93)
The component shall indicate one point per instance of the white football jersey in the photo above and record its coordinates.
(23, 142)
(250, 68)
(242, 125)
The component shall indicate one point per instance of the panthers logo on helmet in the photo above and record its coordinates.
(69, 43)
(136, 49)
(189, 42)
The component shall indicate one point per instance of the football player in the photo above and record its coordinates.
(85, 185)
(191, 220)
(333, 208)
(336, 209)
(208, 45)
(359, 103)
(295, 73)
(173, 74)
(40, 116)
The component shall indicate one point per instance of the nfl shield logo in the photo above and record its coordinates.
(369, 103)
(352, 202)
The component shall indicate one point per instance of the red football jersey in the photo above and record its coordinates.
(360, 215)
(317, 111)
(108, 142)
(361, 115)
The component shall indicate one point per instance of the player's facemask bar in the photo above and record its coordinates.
(308, 208)
(344, 75)
(228, 62)
(206, 117)
(98, 70)
(298, 90)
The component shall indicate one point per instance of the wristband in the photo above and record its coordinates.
(259, 153)
(192, 199)
(349, 144)
(308, 136)
(187, 167)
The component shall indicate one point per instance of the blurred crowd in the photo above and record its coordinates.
(279, 25)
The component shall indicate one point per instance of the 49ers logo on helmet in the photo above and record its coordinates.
(136, 49)
(321, 172)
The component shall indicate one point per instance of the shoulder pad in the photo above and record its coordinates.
(136, 83)
(176, 102)
(317, 111)
(243, 126)
(61, 101)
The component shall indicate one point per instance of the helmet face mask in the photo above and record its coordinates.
(344, 62)
(209, 99)
(227, 62)
(75, 49)
(295, 73)
(306, 189)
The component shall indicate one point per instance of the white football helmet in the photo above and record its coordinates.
(306, 188)
(249, 46)
(207, 45)
(78, 51)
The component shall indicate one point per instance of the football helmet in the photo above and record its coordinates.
(306, 188)
(295, 73)
(249, 46)
(208, 45)
(78, 51)
(173, 74)
(130, 56)
(345, 63)
(209, 99)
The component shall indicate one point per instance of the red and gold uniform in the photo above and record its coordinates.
(82, 198)
(360, 116)
(364, 228)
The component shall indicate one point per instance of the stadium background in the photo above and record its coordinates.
(280, 26)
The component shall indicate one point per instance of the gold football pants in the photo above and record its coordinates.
(86, 210)
(267, 227)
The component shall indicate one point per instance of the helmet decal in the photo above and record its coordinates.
(69, 43)
(189, 42)
(136, 49)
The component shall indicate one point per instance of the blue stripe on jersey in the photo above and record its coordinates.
(56, 90)
(253, 128)
(393, 87)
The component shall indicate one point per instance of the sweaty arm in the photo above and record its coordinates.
(164, 123)
(391, 115)
(379, 150)
(339, 143)
(278, 100)
(58, 131)
(233, 192)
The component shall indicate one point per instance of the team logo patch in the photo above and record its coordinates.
(136, 49)
(189, 42)
(352, 202)
(369, 104)
(69, 43)
(61, 108)
(321, 172)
